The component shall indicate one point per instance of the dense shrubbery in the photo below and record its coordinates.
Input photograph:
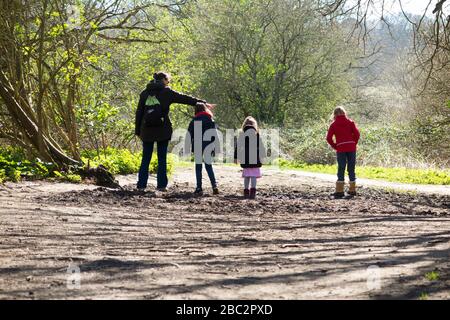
(380, 145)
(2, 175)
(122, 161)
(14, 166)
(388, 152)
(307, 145)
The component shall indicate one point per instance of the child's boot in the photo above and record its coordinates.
(216, 191)
(246, 193)
(340, 185)
(252, 193)
(352, 189)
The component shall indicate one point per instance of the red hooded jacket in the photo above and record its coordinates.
(346, 134)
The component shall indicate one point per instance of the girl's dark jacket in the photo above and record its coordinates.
(207, 122)
(242, 148)
(166, 97)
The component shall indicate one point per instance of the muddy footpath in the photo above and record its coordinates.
(65, 241)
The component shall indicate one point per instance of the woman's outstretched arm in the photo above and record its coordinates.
(180, 98)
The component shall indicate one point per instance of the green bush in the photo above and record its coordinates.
(67, 177)
(123, 161)
(72, 178)
(380, 145)
(14, 175)
(2, 175)
(307, 144)
(14, 166)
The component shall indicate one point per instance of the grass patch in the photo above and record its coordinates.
(67, 177)
(424, 296)
(432, 276)
(404, 175)
(184, 164)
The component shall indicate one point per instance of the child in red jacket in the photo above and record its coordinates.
(346, 136)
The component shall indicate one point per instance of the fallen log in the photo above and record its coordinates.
(102, 176)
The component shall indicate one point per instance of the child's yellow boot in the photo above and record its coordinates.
(340, 185)
(352, 188)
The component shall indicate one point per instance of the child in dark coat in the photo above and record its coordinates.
(346, 136)
(249, 152)
(203, 135)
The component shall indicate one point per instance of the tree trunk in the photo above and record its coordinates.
(29, 129)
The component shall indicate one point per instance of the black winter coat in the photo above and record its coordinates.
(242, 149)
(166, 96)
(207, 124)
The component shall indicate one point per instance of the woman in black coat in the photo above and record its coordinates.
(156, 100)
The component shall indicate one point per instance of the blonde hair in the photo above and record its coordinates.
(339, 111)
(250, 122)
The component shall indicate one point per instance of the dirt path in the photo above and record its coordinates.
(293, 242)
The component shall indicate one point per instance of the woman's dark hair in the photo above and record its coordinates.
(159, 76)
